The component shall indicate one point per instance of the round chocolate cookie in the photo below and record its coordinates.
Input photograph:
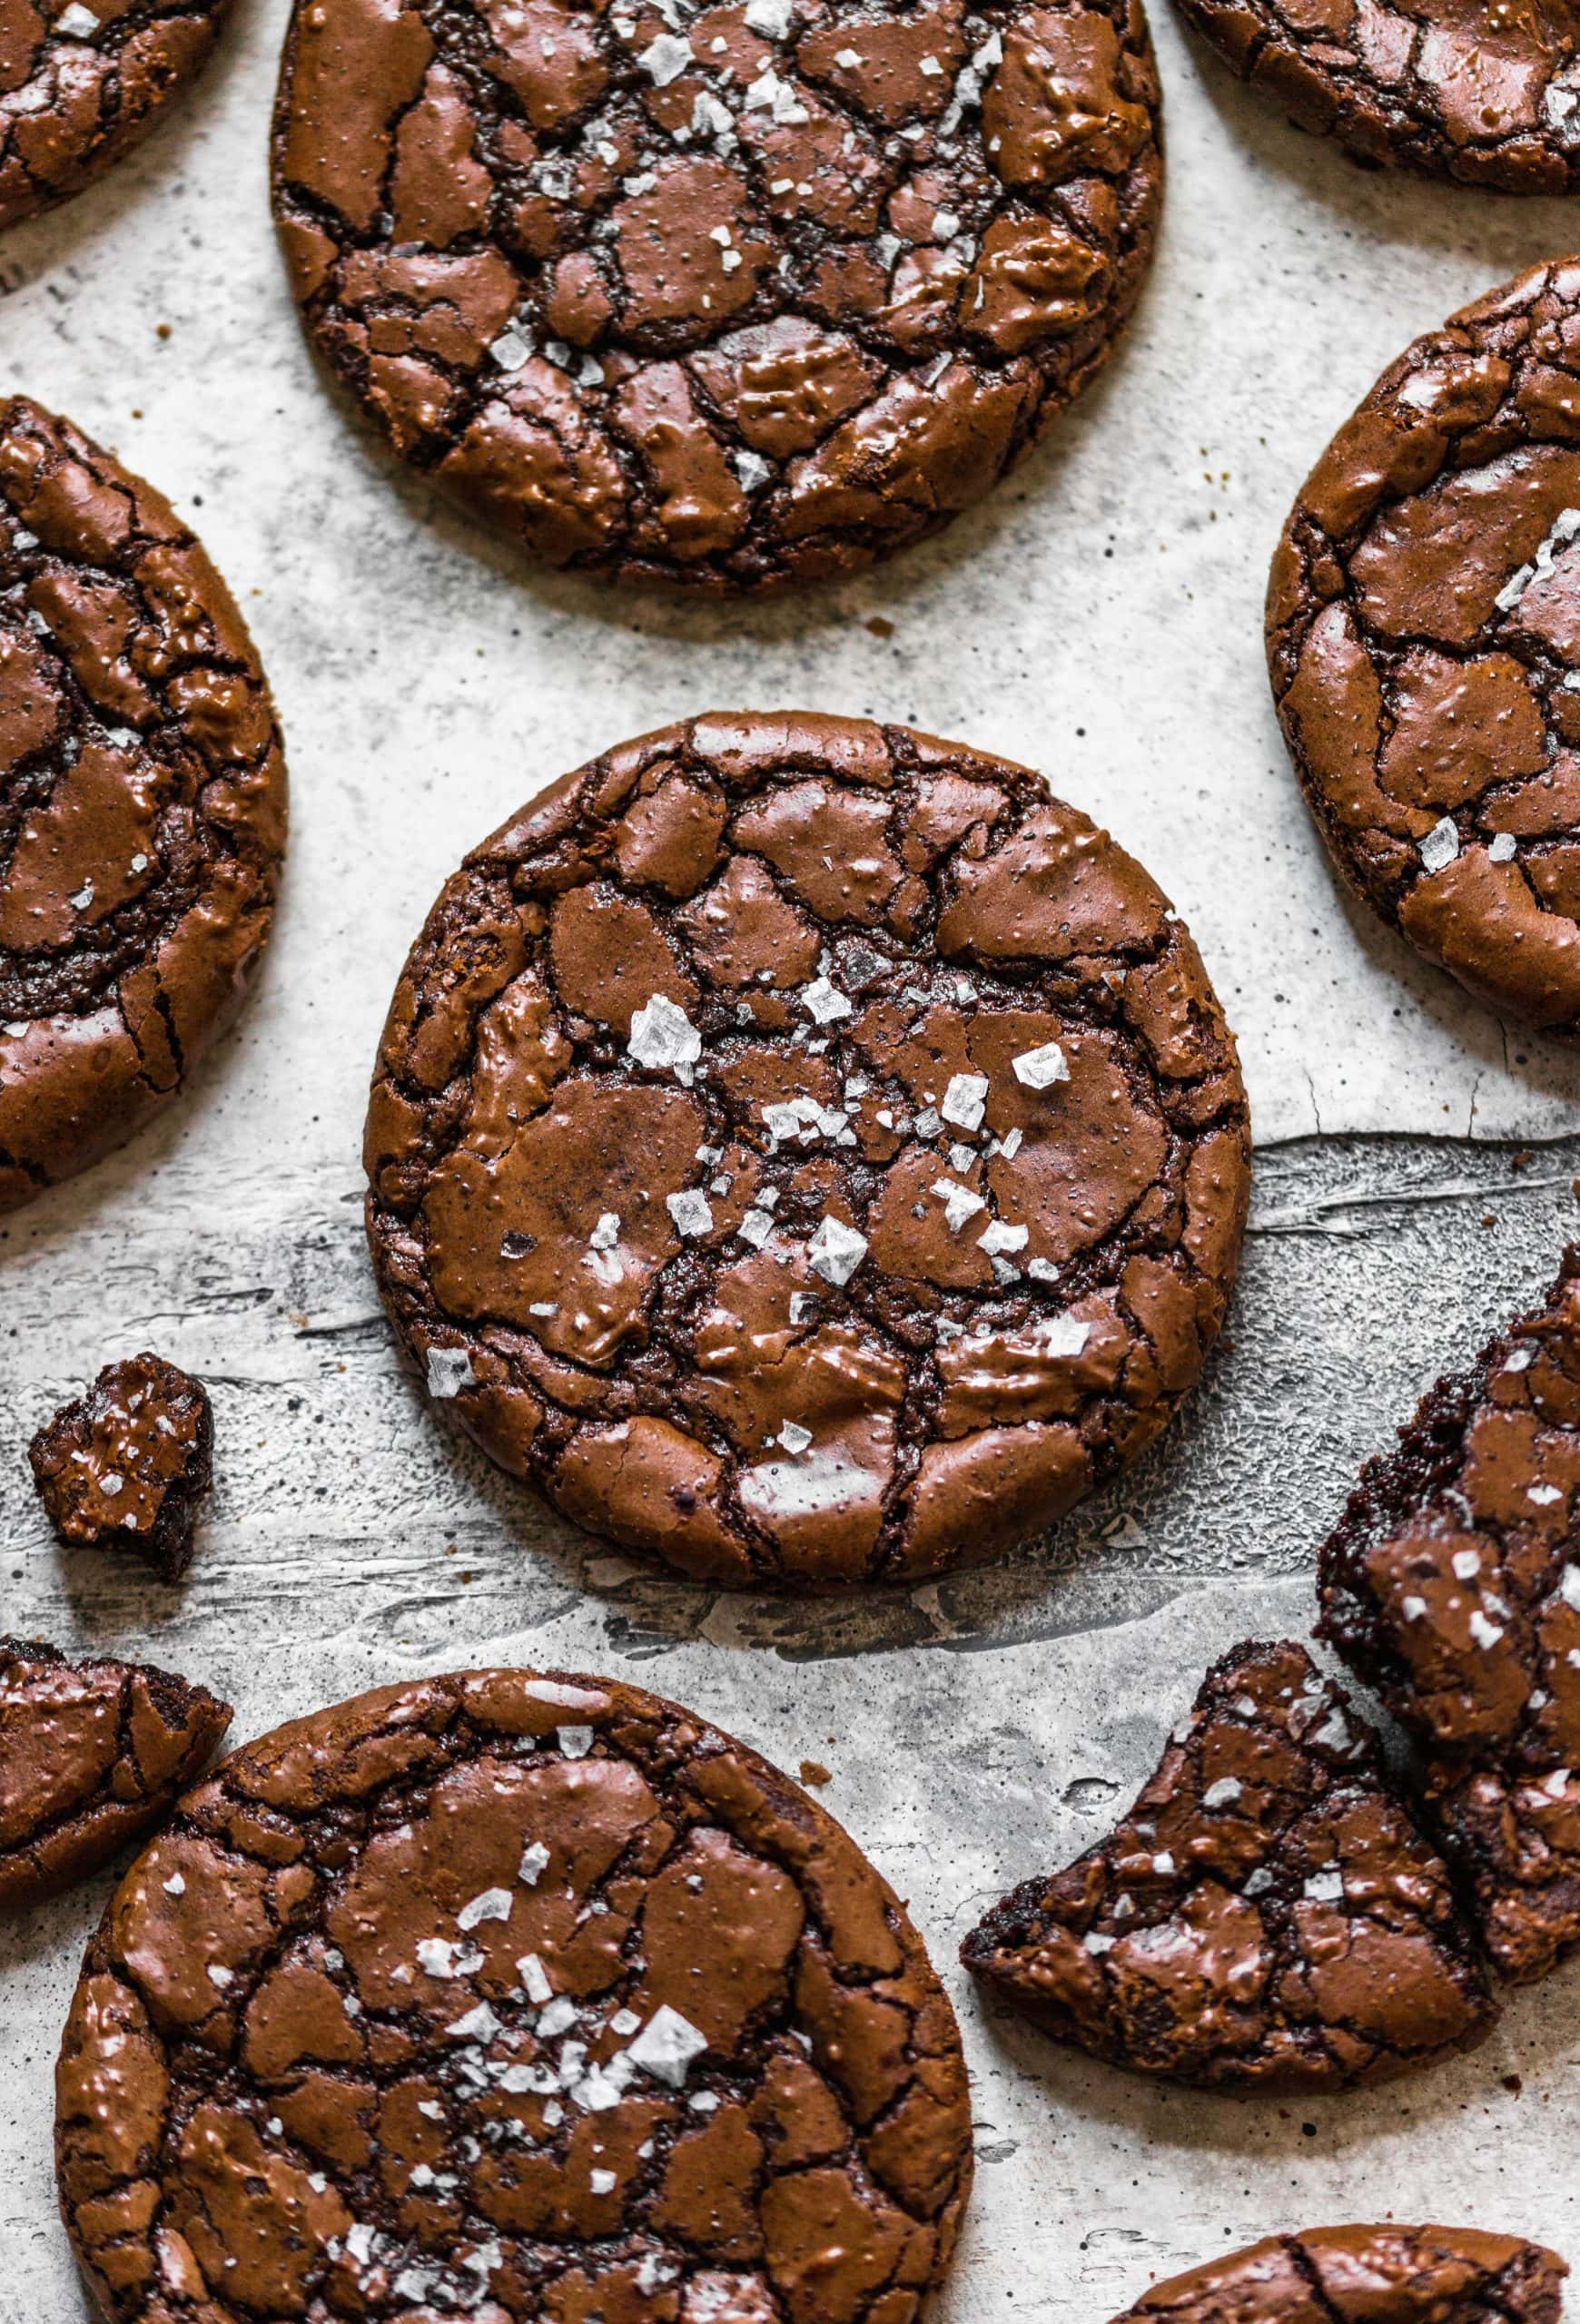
(1473, 90)
(809, 1151)
(734, 296)
(509, 1997)
(1423, 641)
(83, 85)
(1366, 2275)
(142, 802)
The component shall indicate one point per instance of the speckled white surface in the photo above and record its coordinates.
(1100, 618)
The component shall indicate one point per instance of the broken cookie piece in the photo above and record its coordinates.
(1266, 1916)
(126, 1466)
(92, 1755)
(1452, 1586)
(1366, 2275)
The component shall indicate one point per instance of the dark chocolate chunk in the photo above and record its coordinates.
(1366, 2275)
(93, 1754)
(126, 1466)
(142, 802)
(83, 85)
(1423, 641)
(807, 1151)
(732, 297)
(536, 1993)
(1266, 1916)
(1452, 1585)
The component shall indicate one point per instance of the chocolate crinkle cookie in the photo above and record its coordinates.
(126, 1467)
(1366, 2275)
(1453, 1587)
(1267, 1915)
(1424, 639)
(92, 1754)
(1457, 89)
(512, 1998)
(730, 296)
(142, 802)
(80, 86)
(807, 1151)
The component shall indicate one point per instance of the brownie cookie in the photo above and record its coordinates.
(1366, 2275)
(1453, 1587)
(1452, 88)
(93, 1754)
(807, 1151)
(82, 86)
(1424, 639)
(1268, 1917)
(126, 1467)
(142, 802)
(731, 296)
(516, 1997)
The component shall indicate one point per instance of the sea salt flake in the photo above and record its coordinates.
(449, 1370)
(1413, 1609)
(1484, 1633)
(836, 1251)
(76, 22)
(1163, 1866)
(751, 469)
(606, 1232)
(1569, 1587)
(824, 1001)
(1221, 1793)
(1543, 1496)
(999, 1236)
(1039, 1069)
(666, 59)
(1441, 844)
(1503, 849)
(847, 59)
(663, 1036)
(959, 1203)
(575, 1742)
(1096, 1944)
(602, 2183)
(1467, 1564)
(793, 1436)
(511, 350)
(963, 1100)
(772, 18)
(535, 1979)
(667, 2046)
(478, 2024)
(1324, 1887)
(691, 1211)
(175, 1885)
(492, 1905)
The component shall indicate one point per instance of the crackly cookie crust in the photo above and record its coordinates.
(1452, 1585)
(1423, 643)
(731, 297)
(1268, 1917)
(79, 87)
(142, 802)
(807, 1151)
(1366, 2275)
(92, 1753)
(536, 1992)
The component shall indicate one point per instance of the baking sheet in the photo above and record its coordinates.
(1101, 618)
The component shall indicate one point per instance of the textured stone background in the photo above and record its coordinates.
(1100, 618)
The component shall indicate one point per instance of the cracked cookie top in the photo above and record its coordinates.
(1366, 2275)
(1267, 1915)
(734, 296)
(1451, 88)
(1453, 1586)
(805, 1148)
(1424, 641)
(91, 1754)
(142, 802)
(80, 86)
(509, 1997)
